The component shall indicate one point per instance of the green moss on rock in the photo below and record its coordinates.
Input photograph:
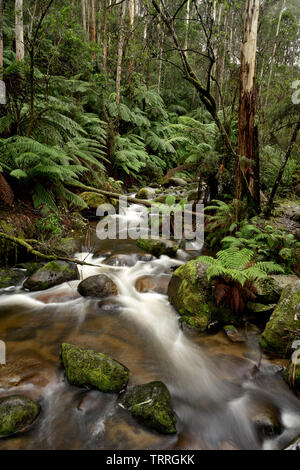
(146, 193)
(10, 277)
(158, 247)
(286, 316)
(151, 405)
(93, 200)
(50, 275)
(16, 414)
(192, 295)
(89, 368)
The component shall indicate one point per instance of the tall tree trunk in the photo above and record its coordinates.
(20, 50)
(93, 21)
(83, 12)
(187, 23)
(274, 53)
(161, 43)
(105, 38)
(131, 9)
(120, 56)
(99, 22)
(281, 171)
(245, 173)
(1, 39)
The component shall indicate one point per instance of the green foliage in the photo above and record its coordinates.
(239, 265)
(266, 242)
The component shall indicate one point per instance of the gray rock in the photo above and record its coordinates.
(52, 274)
(99, 286)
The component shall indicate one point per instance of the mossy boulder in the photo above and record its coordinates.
(285, 317)
(89, 368)
(93, 200)
(17, 413)
(151, 405)
(10, 277)
(52, 274)
(173, 182)
(270, 288)
(146, 193)
(99, 286)
(158, 247)
(191, 294)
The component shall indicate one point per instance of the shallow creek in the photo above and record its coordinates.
(215, 384)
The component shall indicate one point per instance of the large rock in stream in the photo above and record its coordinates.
(17, 414)
(10, 277)
(89, 368)
(192, 295)
(151, 405)
(278, 335)
(158, 247)
(52, 274)
(99, 286)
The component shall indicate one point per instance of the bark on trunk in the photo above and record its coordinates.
(1, 39)
(245, 171)
(120, 57)
(83, 11)
(20, 50)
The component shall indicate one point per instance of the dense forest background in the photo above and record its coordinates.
(114, 94)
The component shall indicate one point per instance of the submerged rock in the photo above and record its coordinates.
(192, 295)
(99, 286)
(285, 318)
(52, 274)
(158, 247)
(17, 413)
(127, 260)
(10, 277)
(266, 418)
(233, 334)
(89, 368)
(157, 284)
(151, 405)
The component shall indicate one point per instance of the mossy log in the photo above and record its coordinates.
(38, 254)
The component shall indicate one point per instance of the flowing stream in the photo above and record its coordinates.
(217, 387)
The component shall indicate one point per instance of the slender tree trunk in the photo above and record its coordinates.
(99, 22)
(20, 50)
(105, 38)
(83, 11)
(281, 171)
(274, 53)
(1, 39)
(247, 99)
(120, 54)
(161, 43)
(187, 24)
(88, 14)
(93, 6)
(131, 9)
